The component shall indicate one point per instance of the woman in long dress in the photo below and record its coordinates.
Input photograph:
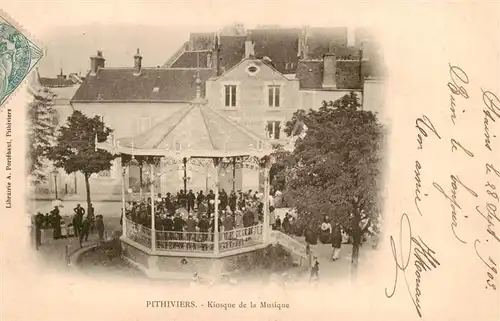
(336, 242)
(326, 231)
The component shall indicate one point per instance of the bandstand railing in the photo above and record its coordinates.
(241, 237)
(200, 242)
(184, 241)
(138, 233)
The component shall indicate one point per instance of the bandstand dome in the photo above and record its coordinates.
(198, 131)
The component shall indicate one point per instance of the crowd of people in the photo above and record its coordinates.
(80, 226)
(190, 212)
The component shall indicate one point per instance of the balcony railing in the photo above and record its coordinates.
(200, 242)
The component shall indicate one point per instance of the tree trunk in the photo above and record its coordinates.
(356, 240)
(140, 181)
(87, 187)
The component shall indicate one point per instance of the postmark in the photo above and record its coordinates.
(18, 55)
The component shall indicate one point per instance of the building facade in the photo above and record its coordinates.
(256, 95)
(328, 62)
(257, 77)
(133, 100)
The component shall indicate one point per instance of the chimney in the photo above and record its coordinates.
(303, 49)
(96, 62)
(137, 63)
(249, 48)
(209, 59)
(351, 36)
(217, 55)
(329, 70)
(61, 75)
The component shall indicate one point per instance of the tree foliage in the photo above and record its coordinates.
(338, 169)
(75, 147)
(42, 122)
(280, 168)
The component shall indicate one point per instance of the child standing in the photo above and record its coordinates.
(314, 269)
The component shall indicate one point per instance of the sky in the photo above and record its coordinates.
(72, 48)
(118, 27)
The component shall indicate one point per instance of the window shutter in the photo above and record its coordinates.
(233, 96)
(277, 96)
(227, 93)
(138, 125)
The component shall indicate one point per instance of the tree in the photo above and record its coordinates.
(338, 170)
(284, 160)
(42, 122)
(75, 147)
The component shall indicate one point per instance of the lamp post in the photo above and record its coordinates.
(55, 172)
(76, 188)
(184, 162)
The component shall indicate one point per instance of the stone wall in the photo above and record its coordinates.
(135, 255)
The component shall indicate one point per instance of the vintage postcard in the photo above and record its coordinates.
(258, 160)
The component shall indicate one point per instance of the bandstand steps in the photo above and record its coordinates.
(297, 249)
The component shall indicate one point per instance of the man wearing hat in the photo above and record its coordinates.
(38, 229)
(199, 199)
(178, 223)
(190, 228)
(78, 219)
(203, 226)
(228, 225)
(232, 201)
(211, 201)
(190, 198)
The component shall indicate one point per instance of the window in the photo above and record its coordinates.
(105, 173)
(274, 96)
(252, 70)
(273, 129)
(143, 124)
(177, 146)
(230, 93)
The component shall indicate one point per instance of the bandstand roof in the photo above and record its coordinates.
(197, 131)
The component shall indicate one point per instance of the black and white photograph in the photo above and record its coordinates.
(246, 153)
(249, 160)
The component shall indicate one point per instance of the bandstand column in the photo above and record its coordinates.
(216, 207)
(266, 227)
(124, 216)
(234, 174)
(153, 227)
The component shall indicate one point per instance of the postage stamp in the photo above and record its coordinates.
(18, 55)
